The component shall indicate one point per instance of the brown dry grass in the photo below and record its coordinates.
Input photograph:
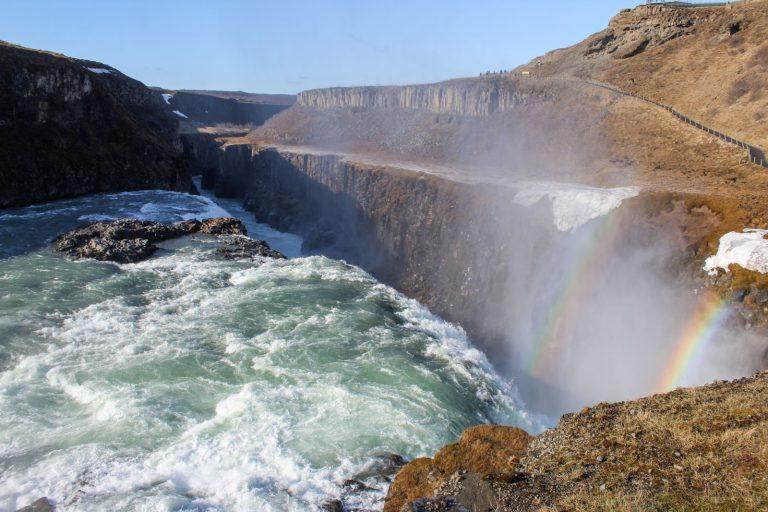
(693, 449)
(698, 449)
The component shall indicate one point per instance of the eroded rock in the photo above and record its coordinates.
(41, 505)
(131, 240)
(242, 247)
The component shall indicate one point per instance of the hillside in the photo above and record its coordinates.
(710, 62)
(70, 127)
(558, 123)
(700, 449)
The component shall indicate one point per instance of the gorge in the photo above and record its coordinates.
(522, 291)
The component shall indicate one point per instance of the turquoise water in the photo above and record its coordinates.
(187, 382)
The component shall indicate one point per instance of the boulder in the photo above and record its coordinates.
(131, 240)
(223, 226)
(241, 247)
(41, 505)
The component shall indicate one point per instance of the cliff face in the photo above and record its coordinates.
(479, 255)
(464, 97)
(213, 109)
(71, 127)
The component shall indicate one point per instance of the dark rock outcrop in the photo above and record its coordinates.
(244, 248)
(70, 127)
(212, 108)
(223, 226)
(130, 240)
(41, 505)
(333, 506)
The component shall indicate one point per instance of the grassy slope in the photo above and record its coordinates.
(699, 449)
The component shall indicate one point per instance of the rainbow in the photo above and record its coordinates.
(702, 326)
(576, 286)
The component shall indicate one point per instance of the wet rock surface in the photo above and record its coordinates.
(131, 240)
(223, 226)
(41, 505)
(243, 247)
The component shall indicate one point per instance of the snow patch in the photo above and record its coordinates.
(574, 205)
(180, 114)
(167, 97)
(100, 71)
(748, 250)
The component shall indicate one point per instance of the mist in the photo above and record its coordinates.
(599, 312)
(572, 288)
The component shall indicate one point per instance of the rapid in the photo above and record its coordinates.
(188, 382)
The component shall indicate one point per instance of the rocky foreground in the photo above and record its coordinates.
(130, 240)
(699, 449)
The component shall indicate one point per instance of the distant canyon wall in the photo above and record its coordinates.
(210, 109)
(470, 97)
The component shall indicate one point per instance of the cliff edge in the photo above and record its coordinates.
(70, 127)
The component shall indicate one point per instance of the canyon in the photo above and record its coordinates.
(441, 190)
(568, 222)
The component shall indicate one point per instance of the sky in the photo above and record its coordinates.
(286, 46)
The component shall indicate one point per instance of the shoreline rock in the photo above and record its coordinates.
(40, 505)
(131, 240)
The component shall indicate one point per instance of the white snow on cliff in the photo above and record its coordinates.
(99, 71)
(574, 205)
(167, 97)
(748, 250)
(180, 114)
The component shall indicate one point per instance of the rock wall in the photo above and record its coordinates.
(203, 151)
(71, 127)
(414, 231)
(210, 109)
(471, 97)
(478, 255)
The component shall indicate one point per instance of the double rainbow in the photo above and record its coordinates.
(705, 321)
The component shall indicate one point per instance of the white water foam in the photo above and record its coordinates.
(190, 383)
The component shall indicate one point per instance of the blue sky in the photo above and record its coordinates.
(285, 46)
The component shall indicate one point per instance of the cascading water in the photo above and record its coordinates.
(188, 382)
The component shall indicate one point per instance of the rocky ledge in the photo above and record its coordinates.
(702, 448)
(130, 240)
